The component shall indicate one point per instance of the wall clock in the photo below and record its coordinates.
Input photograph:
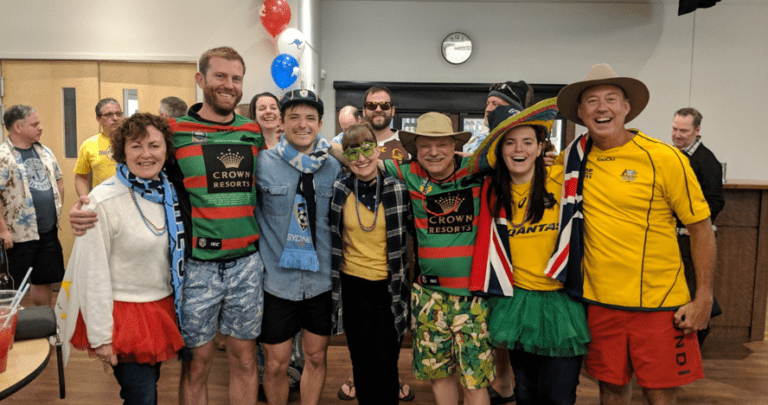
(457, 47)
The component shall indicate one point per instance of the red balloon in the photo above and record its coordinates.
(275, 15)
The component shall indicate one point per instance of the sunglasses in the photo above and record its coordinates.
(371, 105)
(367, 149)
(504, 88)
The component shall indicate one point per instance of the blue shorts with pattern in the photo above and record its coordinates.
(228, 294)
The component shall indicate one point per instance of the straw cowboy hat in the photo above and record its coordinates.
(486, 156)
(432, 125)
(637, 93)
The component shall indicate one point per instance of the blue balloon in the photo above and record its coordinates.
(282, 70)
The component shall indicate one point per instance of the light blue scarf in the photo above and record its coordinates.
(299, 252)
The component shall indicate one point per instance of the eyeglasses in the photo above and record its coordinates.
(371, 105)
(114, 114)
(367, 149)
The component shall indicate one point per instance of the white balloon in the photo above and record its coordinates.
(292, 42)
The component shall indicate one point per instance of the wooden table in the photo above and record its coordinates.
(26, 361)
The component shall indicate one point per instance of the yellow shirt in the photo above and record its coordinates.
(96, 156)
(531, 245)
(365, 253)
(631, 257)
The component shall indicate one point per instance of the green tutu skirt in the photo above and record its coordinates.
(545, 323)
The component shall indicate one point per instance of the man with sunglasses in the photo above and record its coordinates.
(516, 94)
(378, 110)
(94, 162)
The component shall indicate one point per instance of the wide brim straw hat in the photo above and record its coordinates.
(600, 74)
(486, 156)
(432, 125)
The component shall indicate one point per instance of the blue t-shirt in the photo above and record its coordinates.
(41, 190)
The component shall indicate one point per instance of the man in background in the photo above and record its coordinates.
(686, 128)
(172, 107)
(348, 116)
(519, 95)
(94, 162)
(31, 192)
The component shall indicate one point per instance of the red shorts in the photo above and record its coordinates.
(645, 343)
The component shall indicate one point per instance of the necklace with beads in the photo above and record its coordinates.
(527, 208)
(152, 228)
(376, 209)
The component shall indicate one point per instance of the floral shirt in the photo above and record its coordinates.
(15, 197)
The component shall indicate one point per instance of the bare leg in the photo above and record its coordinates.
(277, 359)
(611, 394)
(503, 381)
(194, 376)
(315, 367)
(41, 294)
(477, 396)
(446, 390)
(661, 396)
(243, 373)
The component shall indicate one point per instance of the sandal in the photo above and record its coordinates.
(497, 399)
(347, 397)
(403, 396)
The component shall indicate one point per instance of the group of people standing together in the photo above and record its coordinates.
(213, 223)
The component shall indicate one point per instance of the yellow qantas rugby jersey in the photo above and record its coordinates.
(531, 245)
(631, 258)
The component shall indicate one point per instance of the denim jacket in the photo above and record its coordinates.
(276, 183)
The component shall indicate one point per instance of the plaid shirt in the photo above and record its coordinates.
(399, 221)
(690, 150)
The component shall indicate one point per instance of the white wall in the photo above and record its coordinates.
(714, 59)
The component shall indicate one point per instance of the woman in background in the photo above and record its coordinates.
(265, 110)
(121, 300)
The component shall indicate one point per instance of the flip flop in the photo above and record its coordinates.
(409, 397)
(344, 397)
(497, 399)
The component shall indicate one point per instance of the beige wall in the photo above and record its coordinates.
(714, 59)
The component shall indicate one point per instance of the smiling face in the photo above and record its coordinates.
(603, 110)
(302, 124)
(435, 155)
(267, 113)
(379, 118)
(222, 88)
(520, 148)
(683, 132)
(145, 156)
(364, 168)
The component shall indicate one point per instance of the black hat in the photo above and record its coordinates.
(514, 93)
(302, 96)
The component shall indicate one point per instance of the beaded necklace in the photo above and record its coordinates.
(376, 209)
(527, 208)
(154, 229)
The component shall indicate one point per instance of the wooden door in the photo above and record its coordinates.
(40, 84)
(153, 82)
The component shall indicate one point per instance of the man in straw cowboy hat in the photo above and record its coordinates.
(618, 232)
(451, 333)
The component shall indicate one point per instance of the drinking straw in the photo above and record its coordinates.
(29, 271)
(16, 304)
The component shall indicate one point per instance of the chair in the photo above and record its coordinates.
(40, 322)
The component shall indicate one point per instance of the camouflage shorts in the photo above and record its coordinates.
(451, 331)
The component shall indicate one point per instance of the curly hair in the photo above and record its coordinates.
(135, 128)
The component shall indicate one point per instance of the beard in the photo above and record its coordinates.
(210, 99)
(384, 124)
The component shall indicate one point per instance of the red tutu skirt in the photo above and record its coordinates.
(143, 332)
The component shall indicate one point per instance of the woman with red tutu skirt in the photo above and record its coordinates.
(123, 271)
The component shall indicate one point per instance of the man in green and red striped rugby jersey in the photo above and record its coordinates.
(450, 324)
